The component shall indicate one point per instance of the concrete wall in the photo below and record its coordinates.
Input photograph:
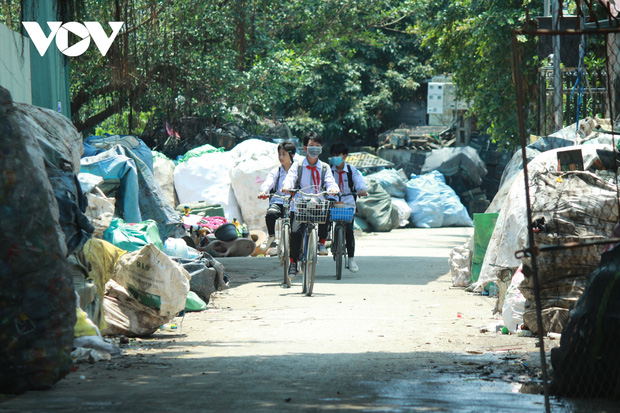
(15, 64)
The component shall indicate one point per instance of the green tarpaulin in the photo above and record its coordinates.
(484, 224)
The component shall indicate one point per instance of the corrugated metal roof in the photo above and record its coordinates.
(362, 160)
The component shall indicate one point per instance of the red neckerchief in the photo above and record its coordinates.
(316, 177)
(340, 180)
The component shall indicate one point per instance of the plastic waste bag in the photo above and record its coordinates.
(424, 199)
(177, 247)
(404, 211)
(460, 263)
(514, 303)
(132, 237)
(194, 303)
(377, 208)
(394, 182)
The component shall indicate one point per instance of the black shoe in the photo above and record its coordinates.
(292, 271)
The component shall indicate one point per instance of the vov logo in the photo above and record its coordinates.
(61, 31)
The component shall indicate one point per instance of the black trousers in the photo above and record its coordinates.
(274, 211)
(297, 233)
(349, 239)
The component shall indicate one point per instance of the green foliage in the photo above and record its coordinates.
(472, 39)
(336, 66)
(10, 11)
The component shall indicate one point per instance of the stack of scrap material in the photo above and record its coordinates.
(574, 206)
(423, 138)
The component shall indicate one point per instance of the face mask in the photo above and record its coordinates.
(336, 160)
(314, 151)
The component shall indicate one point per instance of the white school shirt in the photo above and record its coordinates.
(270, 182)
(358, 182)
(306, 178)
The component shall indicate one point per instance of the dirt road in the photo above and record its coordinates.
(396, 336)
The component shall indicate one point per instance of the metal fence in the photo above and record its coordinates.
(571, 262)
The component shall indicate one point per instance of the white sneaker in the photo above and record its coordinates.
(265, 246)
(322, 249)
(352, 265)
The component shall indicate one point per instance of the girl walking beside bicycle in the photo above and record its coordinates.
(273, 184)
(349, 180)
(309, 173)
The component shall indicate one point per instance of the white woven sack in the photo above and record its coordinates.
(206, 178)
(154, 279)
(246, 178)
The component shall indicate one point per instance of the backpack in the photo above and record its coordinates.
(275, 187)
(350, 178)
(300, 169)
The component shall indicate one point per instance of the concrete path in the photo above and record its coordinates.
(396, 336)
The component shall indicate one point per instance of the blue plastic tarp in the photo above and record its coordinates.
(141, 197)
(94, 145)
(111, 165)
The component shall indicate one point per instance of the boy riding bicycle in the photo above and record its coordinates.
(309, 173)
(349, 180)
(273, 184)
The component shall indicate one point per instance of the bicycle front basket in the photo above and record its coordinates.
(343, 213)
(311, 210)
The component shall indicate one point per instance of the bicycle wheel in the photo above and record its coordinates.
(280, 241)
(339, 253)
(310, 269)
(286, 255)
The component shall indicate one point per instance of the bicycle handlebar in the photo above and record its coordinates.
(340, 195)
(310, 195)
(275, 195)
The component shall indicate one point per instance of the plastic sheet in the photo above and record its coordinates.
(460, 262)
(140, 197)
(587, 362)
(133, 143)
(463, 161)
(514, 303)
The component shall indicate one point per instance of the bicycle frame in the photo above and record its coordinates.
(340, 216)
(284, 230)
(311, 215)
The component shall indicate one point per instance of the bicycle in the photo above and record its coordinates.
(311, 210)
(340, 215)
(283, 226)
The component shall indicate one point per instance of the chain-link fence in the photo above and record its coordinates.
(567, 73)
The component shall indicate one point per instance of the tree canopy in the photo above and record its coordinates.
(339, 66)
(471, 39)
